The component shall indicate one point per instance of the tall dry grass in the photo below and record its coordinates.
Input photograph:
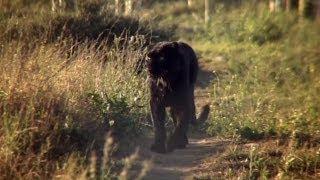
(57, 101)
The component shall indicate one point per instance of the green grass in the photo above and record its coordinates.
(267, 85)
(268, 81)
(272, 86)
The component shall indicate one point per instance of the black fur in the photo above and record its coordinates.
(173, 68)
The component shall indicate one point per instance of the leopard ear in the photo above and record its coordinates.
(150, 54)
(172, 47)
(175, 44)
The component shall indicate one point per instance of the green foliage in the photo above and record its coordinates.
(267, 83)
(248, 26)
(272, 63)
(302, 161)
(117, 113)
(248, 133)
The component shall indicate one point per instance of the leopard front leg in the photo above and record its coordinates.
(158, 118)
(174, 112)
(178, 139)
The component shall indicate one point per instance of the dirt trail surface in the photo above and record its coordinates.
(183, 163)
(190, 162)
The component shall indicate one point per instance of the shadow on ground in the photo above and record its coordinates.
(183, 163)
(205, 77)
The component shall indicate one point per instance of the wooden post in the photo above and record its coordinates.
(128, 7)
(190, 3)
(272, 5)
(301, 7)
(53, 6)
(61, 5)
(117, 7)
(206, 11)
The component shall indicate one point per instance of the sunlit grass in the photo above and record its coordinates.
(267, 82)
(52, 102)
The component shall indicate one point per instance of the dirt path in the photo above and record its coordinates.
(190, 162)
(182, 164)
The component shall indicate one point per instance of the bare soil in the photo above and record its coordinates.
(186, 163)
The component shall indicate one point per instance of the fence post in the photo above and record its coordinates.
(53, 6)
(190, 3)
(128, 7)
(117, 7)
(301, 7)
(272, 5)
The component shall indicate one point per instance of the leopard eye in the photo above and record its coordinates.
(161, 58)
